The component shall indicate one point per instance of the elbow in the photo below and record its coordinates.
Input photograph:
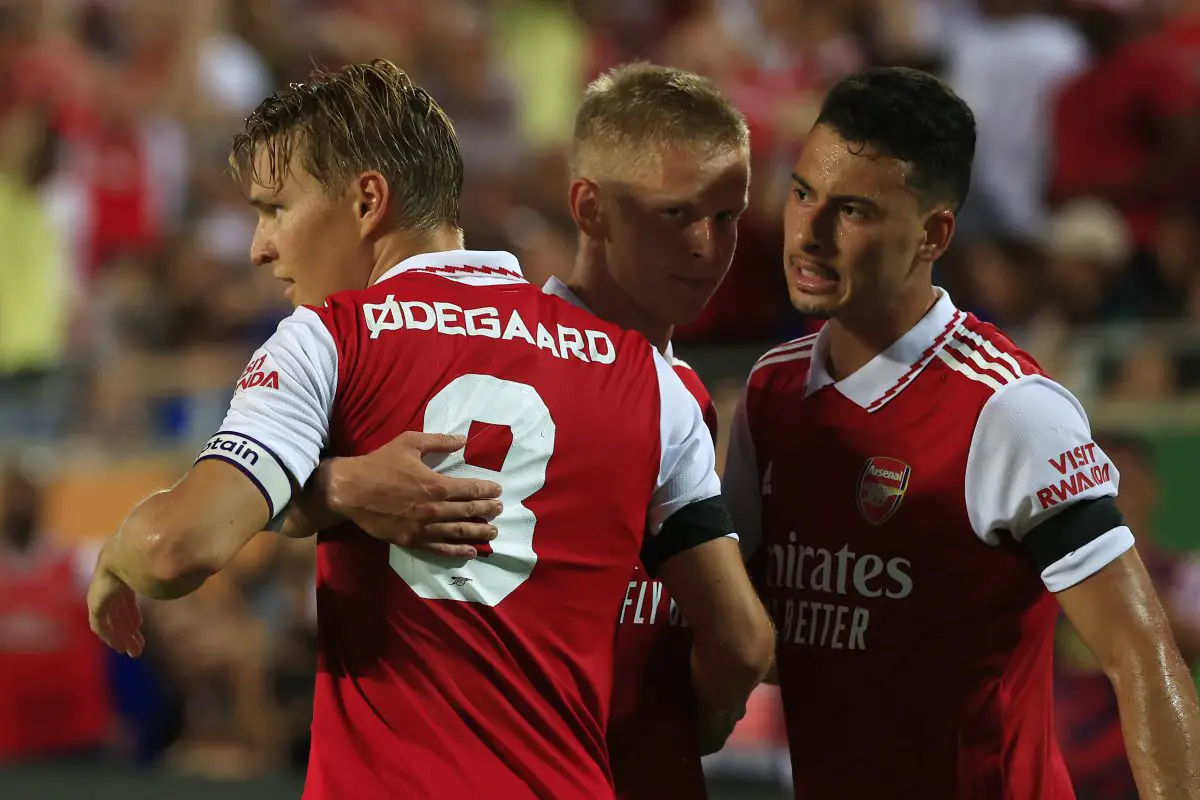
(747, 656)
(756, 655)
(174, 572)
(174, 564)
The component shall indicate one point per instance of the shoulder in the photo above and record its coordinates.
(565, 312)
(1032, 407)
(691, 380)
(789, 360)
(304, 333)
(981, 360)
(693, 383)
(779, 376)
(797, 351)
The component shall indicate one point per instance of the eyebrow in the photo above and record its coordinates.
(262, 204)
(837, 198)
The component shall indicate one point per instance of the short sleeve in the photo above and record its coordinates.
(741, 485)
(686, 509)
(1035, 474)
(278, 420)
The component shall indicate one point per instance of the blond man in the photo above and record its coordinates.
(489, 676)
(660, 176)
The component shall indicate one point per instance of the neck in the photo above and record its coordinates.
(397, 246)
(593, 283)
(855, 339)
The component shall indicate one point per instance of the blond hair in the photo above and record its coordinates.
(634, 108)
(362, 117)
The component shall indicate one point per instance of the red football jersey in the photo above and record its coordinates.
(491, 677)
(893, 521)
(652, 743)
(54, 692)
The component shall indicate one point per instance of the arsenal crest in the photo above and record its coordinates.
(881, 487)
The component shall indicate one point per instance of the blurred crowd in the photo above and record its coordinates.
(126, 296)
(128, 304)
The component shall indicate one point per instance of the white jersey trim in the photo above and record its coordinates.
(977, 359)
(1087, 560)
(256, 461)
(475, 267)
(799, 343)
(797, 354)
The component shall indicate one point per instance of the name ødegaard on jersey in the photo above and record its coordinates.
(814, 623)
(589, 346)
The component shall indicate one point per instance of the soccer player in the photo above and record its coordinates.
(489, 677)
(917, 498)
(661, 175)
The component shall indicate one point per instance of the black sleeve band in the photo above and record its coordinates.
(1070, 530)
(692, 525)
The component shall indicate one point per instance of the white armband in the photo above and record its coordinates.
(256, 462)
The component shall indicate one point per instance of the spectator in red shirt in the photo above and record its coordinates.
(54, 695)
(1124, 130)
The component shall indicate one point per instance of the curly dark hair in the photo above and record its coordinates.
(914, 117)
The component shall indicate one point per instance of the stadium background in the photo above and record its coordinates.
(127, 305)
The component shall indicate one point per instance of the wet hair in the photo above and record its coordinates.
(911, 116)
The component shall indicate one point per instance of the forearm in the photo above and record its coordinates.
(720, 704)
(319, 503)
(145, 557)
(723, 679)
(1161, 723)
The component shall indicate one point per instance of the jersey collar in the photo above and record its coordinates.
(885, 376)
(492, 265)
(559, 289)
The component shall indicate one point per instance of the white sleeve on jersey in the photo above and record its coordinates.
(1032, 458)
(740, 484)
(687, 469)
(278, 420)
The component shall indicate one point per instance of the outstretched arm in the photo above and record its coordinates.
(1035, 473)
(175, 540)
(243, 479)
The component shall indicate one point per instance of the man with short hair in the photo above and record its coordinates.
(660, 169)
(917, 498)
(487, 676)
(660, 176)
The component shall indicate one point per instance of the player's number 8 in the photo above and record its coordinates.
(487, 580)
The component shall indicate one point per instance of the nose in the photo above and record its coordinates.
(262, 252)
(702, 234)
(813, 228)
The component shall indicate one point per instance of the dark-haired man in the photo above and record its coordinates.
(913, 573)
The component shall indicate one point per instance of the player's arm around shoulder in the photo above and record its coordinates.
(694, 551)
(1035, 472)
(394, 495)
(242, 480)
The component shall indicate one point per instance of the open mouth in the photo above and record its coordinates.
(811, 277)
